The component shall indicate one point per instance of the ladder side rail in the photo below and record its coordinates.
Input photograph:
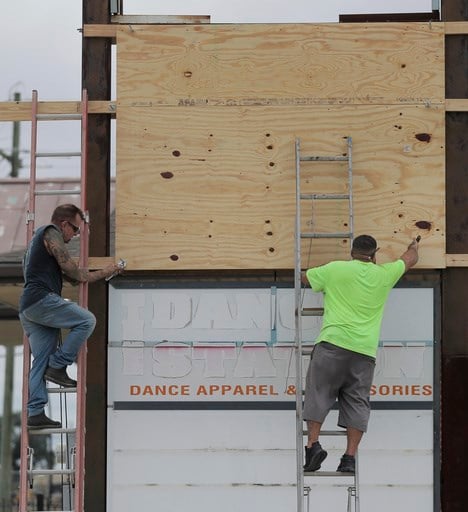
(23, 483)
(298, 337)
(30, 219)
(32, 169)
(357, 503)
(350, 188)
(83, 300)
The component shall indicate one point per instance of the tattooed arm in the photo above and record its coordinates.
(55, 244)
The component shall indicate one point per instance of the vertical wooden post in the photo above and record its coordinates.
(96, 78)
(454, 416)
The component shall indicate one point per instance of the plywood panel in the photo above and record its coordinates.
(214, 188)
(295, 64)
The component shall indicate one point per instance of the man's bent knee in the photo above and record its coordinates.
(89, 322)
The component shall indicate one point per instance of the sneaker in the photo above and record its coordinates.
(42, 421)
(314, 456)
(347, 464)
(59, 376)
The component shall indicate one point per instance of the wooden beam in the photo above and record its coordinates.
(101, 30)
(21, 111)
(456, 28)
(110, 30)
(98, 262)
(144, 19)
(456, 260)
(97, 78)
(456, 105)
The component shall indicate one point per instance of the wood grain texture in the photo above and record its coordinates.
(21, 110)
(214, 188)
(295, 64)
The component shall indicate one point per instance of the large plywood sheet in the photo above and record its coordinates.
(214, 187)
(294, 64)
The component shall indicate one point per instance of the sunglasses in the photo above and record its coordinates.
(76, 229)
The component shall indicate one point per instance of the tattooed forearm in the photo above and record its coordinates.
(56, 247)
(55, 244)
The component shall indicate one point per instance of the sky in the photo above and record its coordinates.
(40, 48)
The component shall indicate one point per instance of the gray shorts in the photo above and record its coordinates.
(338, 374)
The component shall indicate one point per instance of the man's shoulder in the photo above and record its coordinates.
(399, 263)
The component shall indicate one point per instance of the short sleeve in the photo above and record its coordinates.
(316, 277)
(395, 270)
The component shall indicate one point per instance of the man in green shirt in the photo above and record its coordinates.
(343, 360)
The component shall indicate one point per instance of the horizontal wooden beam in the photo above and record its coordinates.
(456, 260)
(456, 105)
(144, 19)
(98, 262)
(101, 30)
(110, 30)
(456, 28)
(21, 110)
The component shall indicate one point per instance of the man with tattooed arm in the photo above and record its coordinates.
(43, 312)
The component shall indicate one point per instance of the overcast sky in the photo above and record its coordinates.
(41, 49)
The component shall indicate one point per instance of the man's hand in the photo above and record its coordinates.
(115, 269)
(410, 256)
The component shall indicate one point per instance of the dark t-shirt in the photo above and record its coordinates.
(42, 273)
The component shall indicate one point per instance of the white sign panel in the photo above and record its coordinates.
(237, 345)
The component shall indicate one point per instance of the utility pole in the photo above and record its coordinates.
(13, 158)
(15, 161)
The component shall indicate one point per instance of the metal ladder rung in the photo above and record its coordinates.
(326, 235)
(57, 192)
(312, 312)
(58, 155)
(51, 472)
(328, 473)
(47, 431)
(328, 432)
(324, 196)
(58, 117)
(61, 390)
(324, 158)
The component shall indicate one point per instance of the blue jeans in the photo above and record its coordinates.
(42, 322)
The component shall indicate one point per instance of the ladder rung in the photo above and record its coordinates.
(46, 431)
(328, 432)
(57, 192)
(324, 196)
(58, 117)
(326, 235)
(312, 312)
(59, 155)
(324, 159)
(51, 471)
(328, 473)
(61, 390)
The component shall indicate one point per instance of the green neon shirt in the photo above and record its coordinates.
(355, 293)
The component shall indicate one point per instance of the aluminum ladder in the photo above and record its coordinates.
(303, 491)
(72, 471)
